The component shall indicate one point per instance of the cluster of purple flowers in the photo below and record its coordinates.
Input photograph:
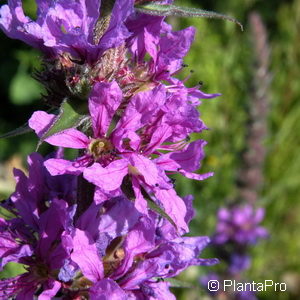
(237, 229)
(107, 224)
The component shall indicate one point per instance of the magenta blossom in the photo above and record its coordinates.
(66, 26)
(128, 150)
(31, 238)
(134, 267)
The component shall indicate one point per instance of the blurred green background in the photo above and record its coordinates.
(223, 58)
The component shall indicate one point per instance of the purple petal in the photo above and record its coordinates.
(86, 256)
(107, 289)
(17, 26)
(40, 121)
(190, 158)
(69, 138)
(112, 222)
(23, 200)
(144, 270)
(196, 176)
(142, 108)
(188, 200)
(174, 206)
(259, 215)
(161, 291)
(51, 231)
(173, 47)
(109, 178)
(90, 10)
(10, 251)
(139, 240)
(116, 224)
(62, 166)
(50, 289)
(145, 167)
(140, 203)
(104, 100)
(116, 33)
(146, 35)
(160, 135)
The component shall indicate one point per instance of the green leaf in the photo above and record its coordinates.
(153, 206)
(12, 269)
(18, 131)
(70, 115)
(173, 10)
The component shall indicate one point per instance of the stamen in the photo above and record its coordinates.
(99, 147)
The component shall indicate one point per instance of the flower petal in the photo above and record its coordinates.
(104, 100)
(145, 167)
(109, 178)
(69, 138)
(86, 256)
(62, 166)
(174, 206)
(40, 121)
(107, 289)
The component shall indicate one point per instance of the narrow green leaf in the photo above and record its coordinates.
(69, 116)
(172, 10)
(18, 131)
(153, 206)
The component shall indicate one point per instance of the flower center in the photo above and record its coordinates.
(100, 147)
(114, 255)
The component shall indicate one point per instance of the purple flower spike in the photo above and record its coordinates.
(131, 264)
(109, 223)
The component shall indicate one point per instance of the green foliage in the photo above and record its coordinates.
(222, 58)
(20, 95)
(70, 115)
(23, 88)
(182, 11)
(12, 269)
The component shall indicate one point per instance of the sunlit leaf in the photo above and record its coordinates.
(70, 116)
(178, 11)
(153, 206)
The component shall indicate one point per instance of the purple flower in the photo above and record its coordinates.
(238, 263)
(245, 295)
(40, 250)
(127, 152)
(131, 266)
(31, 237)
(239, 224)
(153, 36)
(66, 26)
(135, 135)
(105, 223)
